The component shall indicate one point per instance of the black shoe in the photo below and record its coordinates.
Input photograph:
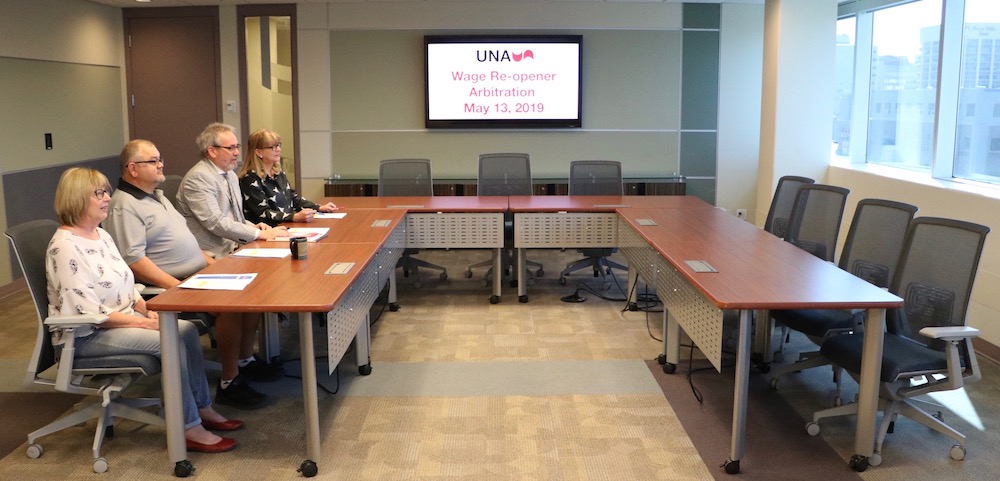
(240, 395)
(261, 371)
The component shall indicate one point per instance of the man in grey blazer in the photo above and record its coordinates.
(210, 201)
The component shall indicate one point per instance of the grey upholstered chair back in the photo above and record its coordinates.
(875, 239)
(940, 260)
(29, 242)
(170, 187)
(782, 202)
(405, 177)
(595, 177)
(814, 225)
(504, 174)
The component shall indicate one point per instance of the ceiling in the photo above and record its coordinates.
(189, 3)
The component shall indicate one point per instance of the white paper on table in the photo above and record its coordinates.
(312, 234)
(329, 215)
(267, 252)
(219, 282)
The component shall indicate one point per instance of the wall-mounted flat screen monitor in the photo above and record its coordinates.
(513, 81)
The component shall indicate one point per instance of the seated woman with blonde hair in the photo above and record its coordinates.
(86, 275)
(267, 195)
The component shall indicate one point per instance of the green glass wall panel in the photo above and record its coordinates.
(698, 153)
(700, 81)
(701, 15)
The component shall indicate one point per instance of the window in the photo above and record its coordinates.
(897, 70)
(980, 85)
(904, 53)
(844, 96)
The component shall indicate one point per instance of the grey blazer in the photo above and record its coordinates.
(213, 207)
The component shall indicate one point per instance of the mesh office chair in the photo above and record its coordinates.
(871, 252)
(814, 224)
(782, 202)
(594, 177)
(928, 346)
(103, 377)
(504, 175)
(408, 177)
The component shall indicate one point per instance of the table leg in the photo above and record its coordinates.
(392, 300)
(522, 278)
(868, 387)
(633, 296)
(362, 347)
(497, 274)
(310, 398)
(170, 382)
(671, 342)
(741, 390)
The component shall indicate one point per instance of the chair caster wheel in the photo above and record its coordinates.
(531, 281)
(661, 359)
(732, 467)
(35, 451)
(417, 285)
(562, 281)
(468, 274)
(365, 370)
(100, 465)
(875, 459)
(812, 428)
(778, 357)
(522, 299)
(606, 286)
(308, 468)
(764, 368)
(494, 299)
(539, 273)
(957, 452)
(774, 384)
(183, 469)
(443, 276)
(858, 463)
(484, 283)
(669, 368)
(393, 307)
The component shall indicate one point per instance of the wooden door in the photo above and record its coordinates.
(174, 79)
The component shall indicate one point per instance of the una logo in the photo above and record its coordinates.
(502, 55)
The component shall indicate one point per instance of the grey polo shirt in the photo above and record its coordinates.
(144, 225)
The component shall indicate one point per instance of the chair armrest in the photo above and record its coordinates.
(148, 291)
(950, 333)
(78, 320)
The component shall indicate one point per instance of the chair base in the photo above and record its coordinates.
(600, 265)
(411, 267)
(122, 408)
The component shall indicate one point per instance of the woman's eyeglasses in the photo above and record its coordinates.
(99, 193)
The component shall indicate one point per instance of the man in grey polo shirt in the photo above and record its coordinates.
(155, 242)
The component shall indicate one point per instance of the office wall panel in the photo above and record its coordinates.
(80, 105)
(630, 107)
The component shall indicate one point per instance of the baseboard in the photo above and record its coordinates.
(987, 350)
(13, 287)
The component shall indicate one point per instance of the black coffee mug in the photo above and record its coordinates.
(299, 247)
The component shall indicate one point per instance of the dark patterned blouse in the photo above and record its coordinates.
(271, 200)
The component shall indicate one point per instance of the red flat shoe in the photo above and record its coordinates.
(229, 425)
(226, 444)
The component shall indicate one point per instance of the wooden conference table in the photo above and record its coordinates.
(667, 240)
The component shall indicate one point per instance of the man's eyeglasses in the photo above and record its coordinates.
(99, 193)
(274, 147)
(230, 148)
(151, 161)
